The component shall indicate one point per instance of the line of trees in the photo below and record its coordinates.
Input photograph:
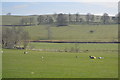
(65, 19)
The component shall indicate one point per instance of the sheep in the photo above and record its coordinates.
(92, 57)
(25, 52)
(1, 51)
(100, 57)
(76, 56)
(42, 57)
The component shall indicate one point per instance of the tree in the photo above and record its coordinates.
(24, 21)
(12, 36)
(92, 18)
(41, 19)
(81, 20)
(77, 17)
(7, 38)
(115, 19)
(50, 20)
(89, 18)
(70, 18)
(62, 20)
(25, 37)
(105, 18)
(55, 15)
(27, 21)
(31, 20)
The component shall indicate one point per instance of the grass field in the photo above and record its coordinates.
(102, 33)
(75, 32)
(16, 64)
(81, 46)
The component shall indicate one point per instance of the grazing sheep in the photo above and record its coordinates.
(1, 51)
(32, 72)
(92, 57)
(100, 57)
(76, 56)
(42, 57)
(25, 52)
(86, 50)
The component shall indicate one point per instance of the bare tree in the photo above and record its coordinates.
(31, 20)
(62, 20)
(41, 19)
(115, 19)
(70, 18)
(50, 20)
(77, 17)
(25, 38)
(81, 20)
(11, 36)
(89, 18)
(105, 18)
(25, 21)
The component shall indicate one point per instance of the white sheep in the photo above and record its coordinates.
(42, 57)
(25, 52)
(100, 57)
(1, 51)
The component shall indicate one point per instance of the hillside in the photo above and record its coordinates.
(74, 32)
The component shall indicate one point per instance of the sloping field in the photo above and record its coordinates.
(75, 32)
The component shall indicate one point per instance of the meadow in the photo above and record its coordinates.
(81, 46)
(45, 64)
(55, 64)
(74, 32)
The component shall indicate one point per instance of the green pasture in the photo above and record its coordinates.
(16, 64)
(74, 32)
(81, 46)
(103, 33)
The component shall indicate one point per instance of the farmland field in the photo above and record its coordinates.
(74, 32)
(16, 64)
(59, 40)
(81, 46)
(41, 62)
(100, 33)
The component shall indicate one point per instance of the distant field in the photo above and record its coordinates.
(75, 32)
(16, 64)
